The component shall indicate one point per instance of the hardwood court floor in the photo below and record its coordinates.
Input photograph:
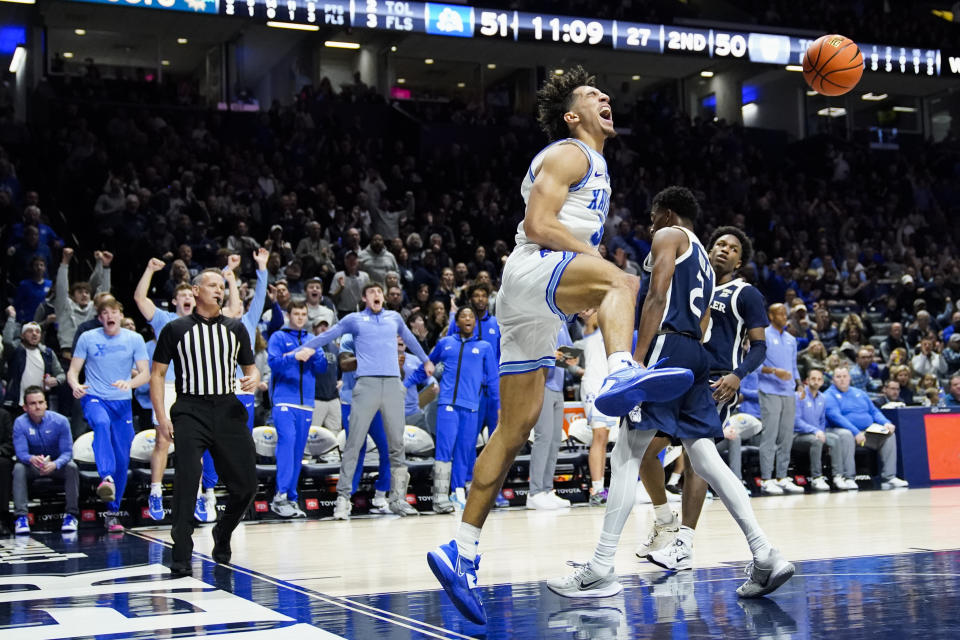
(386, 554)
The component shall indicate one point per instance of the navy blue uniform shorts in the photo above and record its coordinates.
(692, 415)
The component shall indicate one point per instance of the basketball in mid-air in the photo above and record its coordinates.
(832, 65)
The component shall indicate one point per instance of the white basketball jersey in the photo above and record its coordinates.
(585, 209)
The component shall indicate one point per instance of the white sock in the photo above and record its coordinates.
(156, 489)
(468, 540)
(625, 469)
(280, 497)
(209, 495)
(597, 486)
(379, 495)
(663, 513)
(708, 464)
(618, 360)
(674, 478)
(685, 535)
(107, 479)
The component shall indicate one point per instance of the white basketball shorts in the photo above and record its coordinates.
(527, 309)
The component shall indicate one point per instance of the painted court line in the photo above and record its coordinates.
(350, 605)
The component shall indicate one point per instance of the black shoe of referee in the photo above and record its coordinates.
(181, 569)
(221, 546)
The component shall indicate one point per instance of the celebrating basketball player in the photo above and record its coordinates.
(555, 270)
(737, 311)
(674, 320)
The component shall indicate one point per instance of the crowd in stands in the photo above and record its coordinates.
(339, 193)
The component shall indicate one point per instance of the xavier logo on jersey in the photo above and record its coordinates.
(600, 204)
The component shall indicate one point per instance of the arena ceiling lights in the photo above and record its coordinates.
(19, 57)
(339, 44)
(293, 25)
(874, 97)
(832, 112)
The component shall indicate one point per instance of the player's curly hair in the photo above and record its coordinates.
(746, 246)
(555, 98)
(680, 200)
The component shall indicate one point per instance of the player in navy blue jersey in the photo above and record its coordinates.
(674, 320)
(737, 312)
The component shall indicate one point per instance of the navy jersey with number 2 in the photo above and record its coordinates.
(694, 414)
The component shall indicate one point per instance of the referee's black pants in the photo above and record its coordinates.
(217, 423)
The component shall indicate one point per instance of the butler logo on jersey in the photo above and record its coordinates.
(737, 307)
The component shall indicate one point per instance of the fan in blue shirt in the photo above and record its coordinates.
(810, 433)
(378, 388)
(108, 355)
(468, 364)
(850, 408)
(44, 447)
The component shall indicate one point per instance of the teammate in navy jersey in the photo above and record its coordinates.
(673, 322)
(737, 311)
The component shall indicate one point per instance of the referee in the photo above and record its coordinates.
(206, 348)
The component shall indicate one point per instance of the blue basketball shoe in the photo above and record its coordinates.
(458, 577)
(155, 507)
(200, 511)
(624, 389)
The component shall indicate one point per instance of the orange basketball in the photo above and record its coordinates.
(832, 65)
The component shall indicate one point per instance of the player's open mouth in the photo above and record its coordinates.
(606, 114)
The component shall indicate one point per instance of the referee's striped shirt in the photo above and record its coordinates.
(205, 353)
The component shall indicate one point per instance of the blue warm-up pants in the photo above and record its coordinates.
(293, 425)
(112, 422)
(456, 441)
(486, 417)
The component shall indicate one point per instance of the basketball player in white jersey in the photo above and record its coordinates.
(554, 271)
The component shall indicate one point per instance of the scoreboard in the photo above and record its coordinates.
(463, 21)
